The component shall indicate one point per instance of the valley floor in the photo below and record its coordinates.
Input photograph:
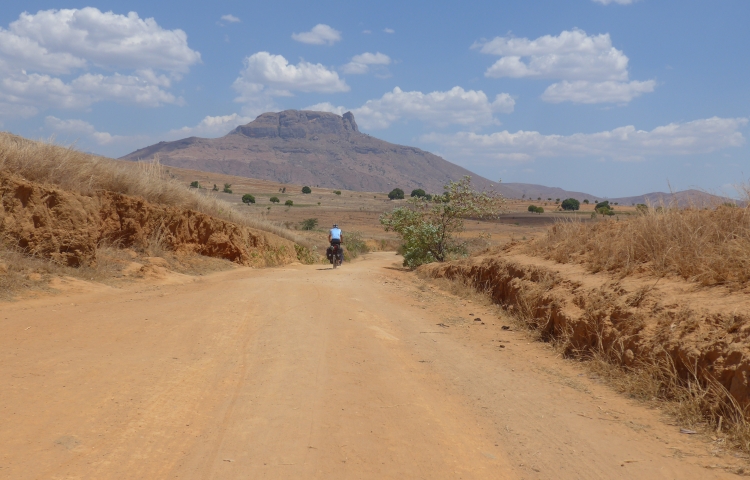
(306, 372)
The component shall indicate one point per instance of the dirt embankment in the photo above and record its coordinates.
(68, 227)
(703, 332)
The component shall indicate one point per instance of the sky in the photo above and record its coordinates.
(609, 97)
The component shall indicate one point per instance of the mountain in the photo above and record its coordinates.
(311, 148)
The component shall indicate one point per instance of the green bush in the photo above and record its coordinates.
(570, 204)
(274, 199)
(248, 199)
(586, 201)
(195, 184)
(419, 193)
(289, 203)
(309, 224)
(306, 189)
(227, 188)
(396, 194)
(355, 245)
(604, 204)
(337, 192)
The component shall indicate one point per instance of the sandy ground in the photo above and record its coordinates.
(306, 372)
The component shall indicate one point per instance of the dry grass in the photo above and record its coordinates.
(83, 173)
(706, 246)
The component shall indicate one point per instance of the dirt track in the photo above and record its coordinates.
(305, 372)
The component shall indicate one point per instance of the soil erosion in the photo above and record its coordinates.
(305, 372)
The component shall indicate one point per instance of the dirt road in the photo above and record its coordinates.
(306, 372)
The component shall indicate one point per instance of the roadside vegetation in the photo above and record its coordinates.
(709, 246)
(429, 228)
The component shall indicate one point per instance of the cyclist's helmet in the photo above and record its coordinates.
(335, 225)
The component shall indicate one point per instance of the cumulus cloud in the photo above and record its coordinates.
(389, 30)
(89, 36)
(272, 75)
(453, 107)
(321, 34)
(230, 18)
(38, 50)
(624, 143)
(361, 63)
(211, 126)
(580, 60)
(80, 129)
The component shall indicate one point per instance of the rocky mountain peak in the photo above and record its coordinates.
(291, 124)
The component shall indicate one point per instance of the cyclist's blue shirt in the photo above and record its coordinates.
(335, 234)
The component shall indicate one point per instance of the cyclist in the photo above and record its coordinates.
(336, 237)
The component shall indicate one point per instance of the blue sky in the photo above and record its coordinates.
(610, 97)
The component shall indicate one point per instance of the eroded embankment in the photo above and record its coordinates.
(636, 322)
(68, 227)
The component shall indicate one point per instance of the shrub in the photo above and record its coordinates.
(641, 208)
(306, 189)
(227, 188)
(309, 224)
(215, 189)
(428, 228)
(289, 203)
(419, 193)
(248, 199)
(570, 204)
(195, 184)
(355, 245)
(586, 201)
(274, 199)
(337, 192)
(396, 194)
(604, 204)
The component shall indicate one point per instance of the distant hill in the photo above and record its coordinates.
(328, 150)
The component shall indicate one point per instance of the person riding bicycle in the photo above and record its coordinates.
(335, 237)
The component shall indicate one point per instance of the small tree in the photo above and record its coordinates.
(195, 184)
(215, 189)
(418, 193)
(289, 203)
(396, 194)
(428, 227)
(306, 189)
(227, 188)
(570, 204)
(586, 201)
(274, 199)
(337, 192)
(532, 208)
(283, 190)
(539, 210)
(248, 199)
(309, 224)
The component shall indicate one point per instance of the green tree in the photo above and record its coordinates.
(586, 201)
(428, 228)
(195, 184)
(309, 224)
(274, 199)
(570, 204)
(306, 189)
(396, 194)
(248, 199)
(532, 208)
(539, 210)
(227, 188)
(418, 193)
(337, 192)
(289, 203)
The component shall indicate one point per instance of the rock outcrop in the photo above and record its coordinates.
(311, 148)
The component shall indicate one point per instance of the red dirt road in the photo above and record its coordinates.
(305, 372)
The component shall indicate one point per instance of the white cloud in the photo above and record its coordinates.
(211, 126)
(367, 32)
(103, 39)
(621, 2)
(321, 34)
(453, 107)
(326, 107)
(38, 47)
(360, 64)
(582, 91)
(624, 143)
(582, 61)
(80, 128)
(389, 30)
(272, 75)
(230, 18)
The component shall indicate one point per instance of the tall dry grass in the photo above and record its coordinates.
(72, 170)
(710, 246)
